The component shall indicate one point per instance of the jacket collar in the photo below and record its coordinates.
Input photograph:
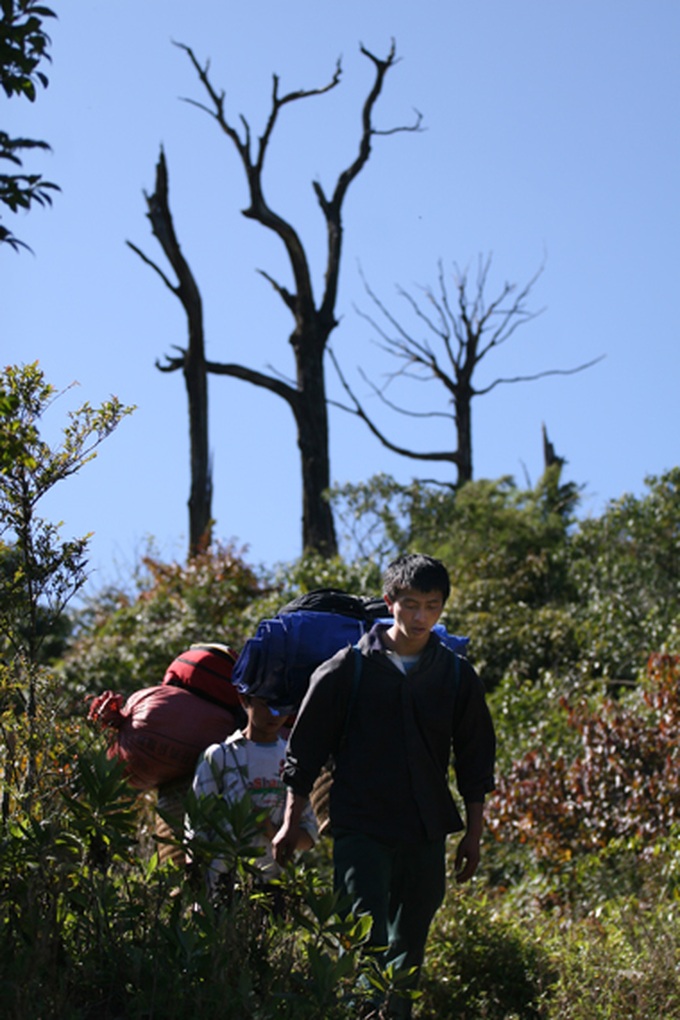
(372, 641)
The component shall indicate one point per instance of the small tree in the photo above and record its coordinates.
(446, 344)
(46, 572)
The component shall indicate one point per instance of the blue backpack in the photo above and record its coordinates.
(277, 663)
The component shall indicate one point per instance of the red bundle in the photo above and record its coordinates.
(159, 732)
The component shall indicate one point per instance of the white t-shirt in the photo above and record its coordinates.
(402, 662)
(237, 766)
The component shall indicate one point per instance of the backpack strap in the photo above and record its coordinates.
(456, 672)
(356, 677)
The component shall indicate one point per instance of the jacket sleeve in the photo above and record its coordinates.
(316, 733)
(474, 739)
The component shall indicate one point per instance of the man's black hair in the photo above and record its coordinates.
(415, 570)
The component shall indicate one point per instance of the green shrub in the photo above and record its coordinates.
(620, 964)
(124, 643)
(480, 966)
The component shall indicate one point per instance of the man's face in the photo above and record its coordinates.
(415, 614)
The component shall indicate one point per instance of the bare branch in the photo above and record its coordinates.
(251, 375)
(358, 410)
(217, 109)
(406, 337)
(191, 359)
(149, 262)
(467, 329)
(313, 325)
(416, 126)
(331, 208)
(402, 410)
(540, 375)
(285, 295)
(291, 97)
(172, 364)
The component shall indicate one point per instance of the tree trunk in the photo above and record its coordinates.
(200, 496)
(311, 416)
(463, 415)
(191, 360)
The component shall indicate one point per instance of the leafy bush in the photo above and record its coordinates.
(613, 800)
(125, 643)
(620, 963)
(506, 551)
(626, 570)
(88, 928)
(482, 966)
(535, 587)
(39, 573)
(309, 572)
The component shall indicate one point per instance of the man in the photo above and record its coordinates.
(391, 728)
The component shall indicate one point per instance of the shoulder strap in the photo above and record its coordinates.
(456, 671)
(356, 677)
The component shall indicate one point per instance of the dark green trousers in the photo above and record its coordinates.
(400, 886)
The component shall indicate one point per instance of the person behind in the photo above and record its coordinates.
(416, 705)
(250, 762)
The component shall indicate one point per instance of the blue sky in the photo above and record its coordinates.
(551, 134)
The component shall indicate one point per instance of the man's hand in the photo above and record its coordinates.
(290, 835)
(284, 843)
(467, 855)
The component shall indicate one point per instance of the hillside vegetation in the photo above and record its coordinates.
(574, 626)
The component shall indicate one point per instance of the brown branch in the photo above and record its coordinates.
(380, 393)
(258, 209)
(172, 364)
(450, 457)
(154, 265)
(331, 207)
(540, 375)
(285, 295)
(290, 97)
(251, 375)
(192, 357)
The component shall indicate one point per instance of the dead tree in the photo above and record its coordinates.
(455, 339)
(191, 359)
(313, 323)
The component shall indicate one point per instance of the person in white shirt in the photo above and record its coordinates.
(250, 763)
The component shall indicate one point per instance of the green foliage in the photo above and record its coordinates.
(127, 642)
(39, 570)
(530, 714)
(481, 965)
(626, 569)
(38, 748)
(312, 570)
(620, 963)
(373, 517)
(534, 587)
(506, 551)
(88, 928)
(23, 48)
(39, 573)
(574, 911)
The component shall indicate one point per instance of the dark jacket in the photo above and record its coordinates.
(392, 767)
